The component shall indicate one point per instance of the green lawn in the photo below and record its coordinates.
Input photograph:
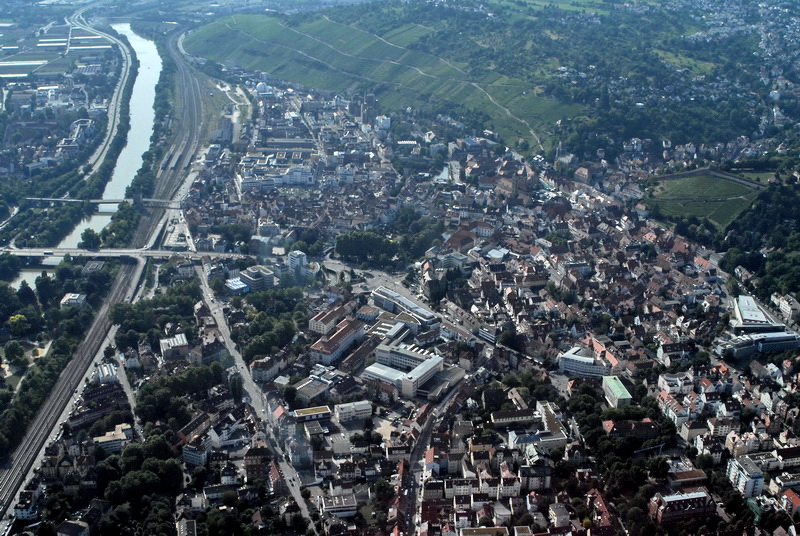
(696, 67)
(760, 176)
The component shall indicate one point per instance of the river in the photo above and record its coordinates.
(142, 118)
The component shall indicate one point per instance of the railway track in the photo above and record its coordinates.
(185, 144)
(16, 468)
(188, 126)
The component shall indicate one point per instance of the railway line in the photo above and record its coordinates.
(185, 142)
(15, 470)
(187, 126)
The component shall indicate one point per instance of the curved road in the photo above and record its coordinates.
(116, 101)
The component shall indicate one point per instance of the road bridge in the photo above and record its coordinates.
(121, 252)
(164, 203)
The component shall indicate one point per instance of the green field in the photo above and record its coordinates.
(696, 67)
(329, 55)
(760, 176)
(699, 186)
(702, 196)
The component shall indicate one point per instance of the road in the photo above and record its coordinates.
(377, 279)
(116, 100)
(416, 463)
(252, 390)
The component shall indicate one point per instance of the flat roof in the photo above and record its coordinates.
(749, 310)
(358, 404)
(384, 372)
(616, 387)
(312, 411)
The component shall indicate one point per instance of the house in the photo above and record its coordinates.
(73, 528)
(677, 508)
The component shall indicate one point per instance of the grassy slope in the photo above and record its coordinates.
(703, 196)
(329, 55)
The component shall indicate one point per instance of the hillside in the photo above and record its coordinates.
(518, 68)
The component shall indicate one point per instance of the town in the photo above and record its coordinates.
(356, 321)
(556, 362)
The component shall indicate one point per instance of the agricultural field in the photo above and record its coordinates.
(702, 196)
(329, 55)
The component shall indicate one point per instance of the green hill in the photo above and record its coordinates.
(325, 54)
(543, 71)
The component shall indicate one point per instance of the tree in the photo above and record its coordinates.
(236, 386)
(217, 285)
(383, 490)
(89, 239)
(19, 325)
(15, 354)
(25, 294)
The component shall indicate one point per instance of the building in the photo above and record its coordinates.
(325, 321)
(73, 528)
(644, 429)
(680, 383)
(615, 392)
(73, 300)
(394, 359)
(745, 476)
(679, 507)
(297, 261)
(175, 347)
(749, 318)
(514, 417)
(330, 349)
(312, 414)
(186, 527)
(393, 302)
(257, 278)
(116, 440)
(746, 345)
(353, 411)
(581, 362)
(340, 505)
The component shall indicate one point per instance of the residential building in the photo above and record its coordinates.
(745, 476)
(680, 507)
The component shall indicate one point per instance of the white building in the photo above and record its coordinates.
(353, 411)
(745, 476)
(578, 361)
(680, 383)
(297, 260)
(257, 278)
(392, 360)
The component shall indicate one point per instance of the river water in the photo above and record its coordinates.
(142, 118)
